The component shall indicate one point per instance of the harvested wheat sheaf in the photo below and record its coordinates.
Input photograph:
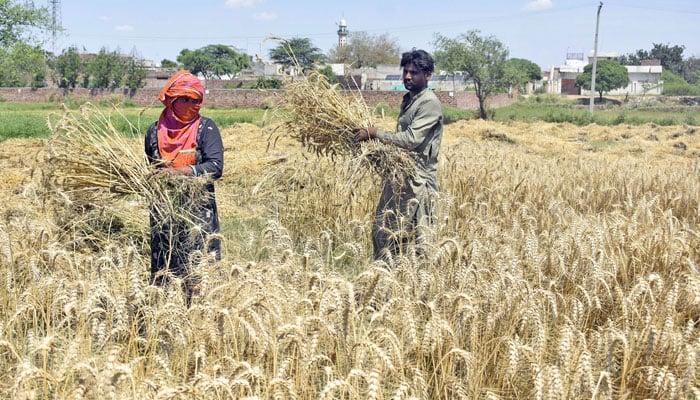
(94, 166)
(322, 119)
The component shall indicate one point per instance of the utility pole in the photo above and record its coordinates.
(55, 22)
(595, 60)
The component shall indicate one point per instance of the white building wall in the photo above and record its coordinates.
(644, 79)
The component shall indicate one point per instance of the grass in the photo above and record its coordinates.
(29, 120)
(557, 109)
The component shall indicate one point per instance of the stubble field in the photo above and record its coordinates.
(564, 265)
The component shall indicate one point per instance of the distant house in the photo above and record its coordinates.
(562, 79)
(644, 79)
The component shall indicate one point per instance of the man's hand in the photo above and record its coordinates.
(362, 134)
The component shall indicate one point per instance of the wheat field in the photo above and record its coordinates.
(564, 265)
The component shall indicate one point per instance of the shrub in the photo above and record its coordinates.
(266, 83)
(681, 89)
(451, 115)
(621, 118)
(384, 110)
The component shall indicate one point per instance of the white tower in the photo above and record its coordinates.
(342, 33)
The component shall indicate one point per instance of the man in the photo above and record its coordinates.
(419, 130)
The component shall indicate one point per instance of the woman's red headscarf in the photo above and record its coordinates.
(179, 121)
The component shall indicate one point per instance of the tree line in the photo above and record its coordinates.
(481, 60)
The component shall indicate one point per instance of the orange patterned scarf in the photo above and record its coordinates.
(179, 121)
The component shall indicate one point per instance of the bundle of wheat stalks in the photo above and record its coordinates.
(322, 119)
(94, 167)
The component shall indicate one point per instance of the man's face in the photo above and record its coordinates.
(414, 79)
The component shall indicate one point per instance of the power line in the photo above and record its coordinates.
(656, 9)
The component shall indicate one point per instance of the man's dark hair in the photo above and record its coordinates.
(420, 58)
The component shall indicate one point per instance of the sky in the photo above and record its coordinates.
(543, 31)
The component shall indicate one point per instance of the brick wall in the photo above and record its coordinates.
(235, 97)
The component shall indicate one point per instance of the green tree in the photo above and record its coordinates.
(328, 72)
(675, 85)
(195, 61)
(23, 65)
(18, 19)
(68, 66)
(165, 63)
(671, 57)
(134, 71)
(610, 75)
(23, 62)
(213, 61)
(481, 58)
(297, 52)
(364, 50)
(266, 83)
(520, 71)
(104, 71)
(691, 70)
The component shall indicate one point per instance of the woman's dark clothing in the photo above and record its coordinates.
(173, 242)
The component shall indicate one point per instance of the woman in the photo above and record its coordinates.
(184, 143)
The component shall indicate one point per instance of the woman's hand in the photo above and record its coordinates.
(179, 171)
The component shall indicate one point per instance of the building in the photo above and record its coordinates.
(562, 79)
(643, 79)
(342, 33)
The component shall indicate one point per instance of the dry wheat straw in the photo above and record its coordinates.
(97, 168)
(322, 119)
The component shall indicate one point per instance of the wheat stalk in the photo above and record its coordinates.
(98, 169)
(322, 119)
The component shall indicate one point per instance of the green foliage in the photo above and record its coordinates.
(68, 66)
(27, 120)
(195, 61)
(266, 83)
(691, 70)
(671, 57)
(23, 65)
(19, 119)
(134, 74)
(520, 71)
(481, 58)
(560, 109)
(675, 85)
(297, 51)
(213, 61)
(22, 124)
(549, 98)
(18, 18)
(610, 75)
(567, 115)
(364, 50)
(165, 63)
(451, 115)
(327, 71)
(104, 71)
(385, 111)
